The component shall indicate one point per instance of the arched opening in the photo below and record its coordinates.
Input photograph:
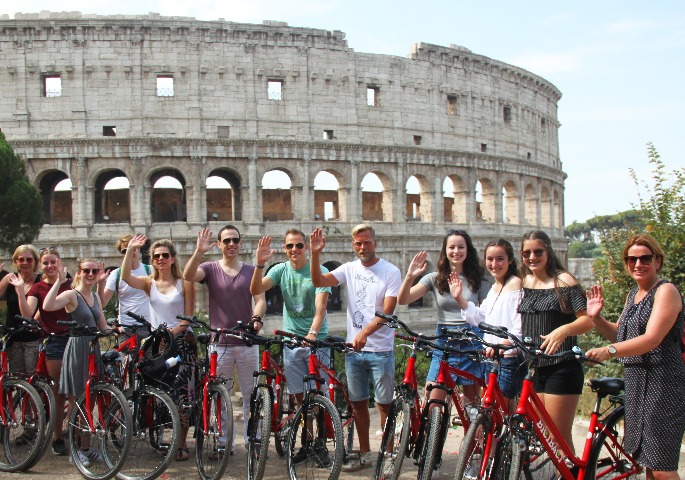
(274, 298)
(112, 198)
(531, 205)
(455, 197)
(55, 189)
(510, 203)
(326, 200)
(413, 200)
(376, 200)
(485, 201)
(168, 202)
(546, 206)
(223, 197)
(276, 196)
(335, 298)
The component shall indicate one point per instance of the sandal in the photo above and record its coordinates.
(182, 454)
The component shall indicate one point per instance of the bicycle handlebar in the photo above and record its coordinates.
(78, 330)
(334, 344)
(393, 322)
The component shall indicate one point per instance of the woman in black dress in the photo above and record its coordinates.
(647, 340)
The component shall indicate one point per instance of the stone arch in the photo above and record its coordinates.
(531, 205)
(485, 208)
(546, 208)
(376, 205)
(335, 299)
(327, 187)
(168, 201)
(56, 202)
(510, 204)
(112, 197)
(223, 201)
(277, 195)
(455, 197)
(418, 205)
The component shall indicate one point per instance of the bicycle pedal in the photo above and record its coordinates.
(456, 421)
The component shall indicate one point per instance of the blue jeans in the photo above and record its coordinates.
(462, 362)
(377, 367)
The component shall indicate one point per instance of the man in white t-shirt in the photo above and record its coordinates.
(130, 299)
(372, 285)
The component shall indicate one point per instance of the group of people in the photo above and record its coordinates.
(540, 300)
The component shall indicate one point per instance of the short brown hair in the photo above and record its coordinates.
(648, 241)
(295, 231)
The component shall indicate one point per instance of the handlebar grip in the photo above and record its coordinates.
(402, 336)
(67, 323)
(25, 319)
(137, 318)
(385, 316)
(497, 331)
(191, 319)
(284, 334)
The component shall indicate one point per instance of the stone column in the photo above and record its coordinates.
(79, 199)
(137, 193)
(253, 207)
(305, 207)
(354, 201)
(195, 190)
(398, 196)
(522, 200)
(499, 203)
(438, 207)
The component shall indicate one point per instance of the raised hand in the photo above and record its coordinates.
(418, 264)
(15, 280)
(137, 242)
(317, 241)
(263, 253)
(455, 285)
(204, 241)
(595, 301)
(102, 274)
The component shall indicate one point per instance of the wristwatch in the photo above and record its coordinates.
(612, 350)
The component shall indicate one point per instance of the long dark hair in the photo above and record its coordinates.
(512, 269)
(553, 268)
(472, 271)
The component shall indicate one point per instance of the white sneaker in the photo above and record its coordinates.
(82, 457)
(365, 460)
(93, 455)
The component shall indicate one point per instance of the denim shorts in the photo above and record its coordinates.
(365, 367)
(296, 366)
(54, 349)
(511, 373)
(462, 362)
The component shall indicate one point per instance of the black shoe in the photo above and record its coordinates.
(320, 456)
(300, 456)
(59, 448)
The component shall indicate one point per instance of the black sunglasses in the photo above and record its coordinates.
(644, 259)
(538, 252)
(299, 246)
(459, 232)
(234, 241)
(124, 250)
(88, 271)
(157, 256)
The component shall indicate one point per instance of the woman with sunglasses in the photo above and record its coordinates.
(170, 295)
(457, 256)
(647, 340)
(83, 307)
(499, 309)
(23, 349)
(32, 306)
(553, 313)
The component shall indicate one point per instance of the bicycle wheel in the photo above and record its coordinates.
(258, 433)
(315, 443)
(471, 452)
(155, 436)
(286, 406)
(346, 416)
(214, 432)
(47, 398)
(394, 441)
(431, 447)
(22, 427)
(502, 458)
(607, 457)
(530, 461)
(100, 452)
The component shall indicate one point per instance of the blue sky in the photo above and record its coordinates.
(619, 64)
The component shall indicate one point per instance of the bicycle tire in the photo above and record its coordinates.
(155, 437)
(395, 440)
(23, 411)
(531, 461)
(430, 450)
(502, 458)
(258, 432)
(345, 414)
(286, 407)
(112, 437)
(604, 454)
(320, 441)
(213, 444)
(472, 449)
(47, 397)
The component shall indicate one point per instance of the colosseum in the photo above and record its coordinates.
(162, 125)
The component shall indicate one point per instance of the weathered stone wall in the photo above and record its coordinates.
(442, 112)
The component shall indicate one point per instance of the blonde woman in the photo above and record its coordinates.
(170, 295)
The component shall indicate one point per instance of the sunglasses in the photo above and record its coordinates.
(228, 241)
(88, 271)
(25, 260)
(299, 246)
(644, 259)
(459, 232)
(124, 250)
(538, 252)
(157, 256)
(52, 250)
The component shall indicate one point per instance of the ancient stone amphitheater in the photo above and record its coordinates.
(162, 125)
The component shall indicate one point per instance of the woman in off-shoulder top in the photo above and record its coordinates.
(553, 313)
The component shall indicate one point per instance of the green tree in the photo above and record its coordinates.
(661, 213)
(21, 207)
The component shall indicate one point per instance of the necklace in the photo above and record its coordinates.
(496, 298)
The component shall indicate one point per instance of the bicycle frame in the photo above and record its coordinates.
(275, 377)
(207, 378)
